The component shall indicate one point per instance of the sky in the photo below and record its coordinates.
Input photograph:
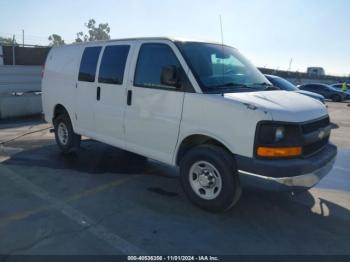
(270, 33)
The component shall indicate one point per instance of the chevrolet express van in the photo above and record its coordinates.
(197, 105)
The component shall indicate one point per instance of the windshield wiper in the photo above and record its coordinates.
(229, 87)
(266, 85)
(230, 84)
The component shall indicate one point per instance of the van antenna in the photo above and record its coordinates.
(222, 46)
(222, 32)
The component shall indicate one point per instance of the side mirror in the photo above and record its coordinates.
(170, 76)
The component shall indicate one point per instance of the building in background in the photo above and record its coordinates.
(316, 71)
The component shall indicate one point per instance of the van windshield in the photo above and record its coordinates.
(222, 69)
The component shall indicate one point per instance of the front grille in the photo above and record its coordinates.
(311, 127)
(314, 126)
(313, 148)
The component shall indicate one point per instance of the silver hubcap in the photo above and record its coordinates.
(62, 133)
(205, 180)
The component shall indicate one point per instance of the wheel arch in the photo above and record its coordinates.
(61, 109)
(194, 140)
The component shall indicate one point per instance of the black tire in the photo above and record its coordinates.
(72, 141)
(225, 164)
(336, 98)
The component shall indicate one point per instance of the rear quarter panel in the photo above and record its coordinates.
(60, 77)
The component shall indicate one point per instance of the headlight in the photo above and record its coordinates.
(278, 140)
(279, 135)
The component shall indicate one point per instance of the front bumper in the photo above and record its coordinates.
(286, 174)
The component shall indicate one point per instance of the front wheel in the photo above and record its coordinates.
(65, 137)
(209, 178)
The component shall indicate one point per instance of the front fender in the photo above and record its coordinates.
(199, 132)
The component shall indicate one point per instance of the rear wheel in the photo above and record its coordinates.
(209, 178)
(66, 139)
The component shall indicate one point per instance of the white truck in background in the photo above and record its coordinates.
(197, 105)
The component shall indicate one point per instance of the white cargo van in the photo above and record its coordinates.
(201, 106)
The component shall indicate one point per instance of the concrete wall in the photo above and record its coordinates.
(20, 79)
(19, 106)
(20, 88)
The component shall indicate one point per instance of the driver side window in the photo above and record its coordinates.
(152, 58)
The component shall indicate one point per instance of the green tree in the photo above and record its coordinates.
(95, 32)
(7, 41)
(56, 40)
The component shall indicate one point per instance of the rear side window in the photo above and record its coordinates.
(88, 64)
(152, 57)
(113, 64)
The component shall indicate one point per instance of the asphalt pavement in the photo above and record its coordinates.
(102, 201)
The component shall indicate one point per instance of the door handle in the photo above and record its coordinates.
(98, 95)
(129, 99)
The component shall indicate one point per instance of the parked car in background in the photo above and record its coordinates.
(284, 84)
(327, 91)
(339, 88)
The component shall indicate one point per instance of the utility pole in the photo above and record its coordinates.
(222, 44)
(23, 37)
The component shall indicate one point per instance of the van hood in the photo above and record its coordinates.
(282, 105)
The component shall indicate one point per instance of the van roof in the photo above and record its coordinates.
(180, 39)
(172, 39)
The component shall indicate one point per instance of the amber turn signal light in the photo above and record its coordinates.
(279, 151)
